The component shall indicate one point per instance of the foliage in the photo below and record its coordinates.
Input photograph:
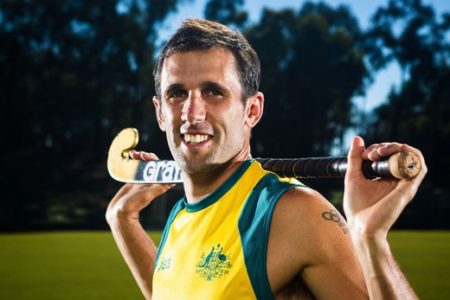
(227, 12)
(72, 73)
(312, 67)
(418, 112)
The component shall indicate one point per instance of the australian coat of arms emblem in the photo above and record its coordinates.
(214, 264)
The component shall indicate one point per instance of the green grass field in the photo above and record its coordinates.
(87, 265)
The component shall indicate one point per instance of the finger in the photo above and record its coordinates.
(354, 158)
(381, 150)
(141, 155)
(370, 149)
(134, 154)
(151, 191)
(145, 194)
(389, 148)
(132, 198)
(148, 156)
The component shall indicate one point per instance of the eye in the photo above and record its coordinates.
(211, 92)
(177, 95)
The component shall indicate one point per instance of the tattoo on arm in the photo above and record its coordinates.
(334, 216)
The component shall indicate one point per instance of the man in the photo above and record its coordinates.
(242, 232)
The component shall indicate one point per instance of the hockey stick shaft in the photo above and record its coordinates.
(122, 168)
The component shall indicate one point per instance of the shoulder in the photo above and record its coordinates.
(301, 207)
(306, 230)
(305, 214)
(309, 239)
(302, 198)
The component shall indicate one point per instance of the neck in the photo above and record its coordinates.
(199, 185)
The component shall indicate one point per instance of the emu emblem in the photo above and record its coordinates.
(214, 264)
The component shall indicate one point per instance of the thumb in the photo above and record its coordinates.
(354, 158)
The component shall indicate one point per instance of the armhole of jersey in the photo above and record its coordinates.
(254, 228)
(176, 209)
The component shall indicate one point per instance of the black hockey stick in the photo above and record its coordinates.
(122, 168)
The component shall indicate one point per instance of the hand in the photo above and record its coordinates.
(132, 198)
(372, 206)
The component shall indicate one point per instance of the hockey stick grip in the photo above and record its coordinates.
(401, 165)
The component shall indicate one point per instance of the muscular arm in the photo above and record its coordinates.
(309, 239)
(309, 245)
(371, 208)
(383, 276)
(137, 249)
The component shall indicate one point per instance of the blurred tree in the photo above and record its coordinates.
(312, 66)
(409, 33)
(419, 111)
(72, 73)
(227, 12)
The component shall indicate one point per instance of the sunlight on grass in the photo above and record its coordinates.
(424, 256)
(64, 265)
(88, 265)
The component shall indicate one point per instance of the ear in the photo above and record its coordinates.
(159, 115)
(254, 109)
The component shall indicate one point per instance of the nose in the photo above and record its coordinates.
(194, 109)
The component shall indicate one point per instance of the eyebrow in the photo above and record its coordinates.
(213, 85)
(204, 85)
(173, 87)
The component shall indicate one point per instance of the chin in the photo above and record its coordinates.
(198, 165)
(190, 165)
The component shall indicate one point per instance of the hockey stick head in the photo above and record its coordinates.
(120, 166)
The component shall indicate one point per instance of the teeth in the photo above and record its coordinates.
(195, 138)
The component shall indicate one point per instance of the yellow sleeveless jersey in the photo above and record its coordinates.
(216, 249)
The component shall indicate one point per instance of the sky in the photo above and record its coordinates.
(384, 80)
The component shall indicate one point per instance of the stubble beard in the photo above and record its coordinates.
(192, 165)
(205, 163)
(191, 161)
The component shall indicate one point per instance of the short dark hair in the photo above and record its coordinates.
(199, 34)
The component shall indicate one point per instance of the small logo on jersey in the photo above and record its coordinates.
(214, 264)
(164, 264)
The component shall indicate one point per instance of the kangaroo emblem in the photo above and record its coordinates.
(214, 264)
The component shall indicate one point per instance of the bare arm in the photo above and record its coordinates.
(122, 215)
(309, 245)
(371, 208)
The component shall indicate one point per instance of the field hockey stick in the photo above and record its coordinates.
(122, 168)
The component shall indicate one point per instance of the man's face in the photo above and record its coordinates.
(201, 108)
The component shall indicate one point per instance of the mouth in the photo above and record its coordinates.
(195, 138)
